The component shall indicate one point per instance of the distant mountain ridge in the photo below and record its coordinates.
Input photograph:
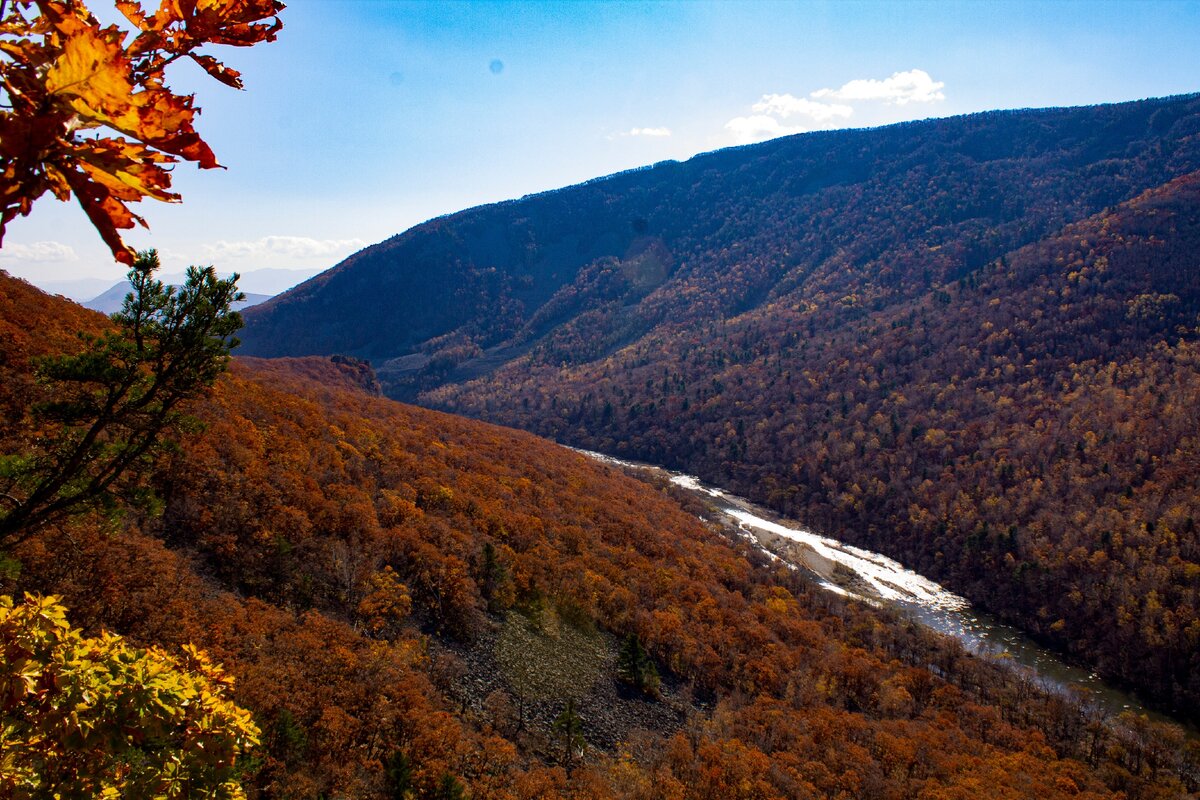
(113, 299)
(259, 285)
(968, 343)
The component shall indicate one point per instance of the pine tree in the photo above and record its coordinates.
(635, 667)
(569, 726)
(111, 408)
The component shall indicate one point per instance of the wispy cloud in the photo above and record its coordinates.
(787, 106)
(274, 247)
(902, 88)
(43, 252)
(657, 133)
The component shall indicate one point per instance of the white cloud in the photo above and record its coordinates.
(765, 124)
(786, 106)
(759, 128)
(41, 252)
(275, 247)
(914, 86)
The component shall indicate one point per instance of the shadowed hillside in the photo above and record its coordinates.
(865, 218)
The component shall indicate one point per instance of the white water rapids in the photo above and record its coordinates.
(887, 579)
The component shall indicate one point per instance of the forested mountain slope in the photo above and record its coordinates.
(887, 333)
(1028, 434)
(334, 549)
(854, 219)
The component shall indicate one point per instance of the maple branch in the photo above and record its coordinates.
(79, 76)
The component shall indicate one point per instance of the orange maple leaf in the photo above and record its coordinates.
(64, 75)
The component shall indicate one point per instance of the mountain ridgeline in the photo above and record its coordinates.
(968, 343)
(871, 215)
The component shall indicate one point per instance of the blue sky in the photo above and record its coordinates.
(369, 116)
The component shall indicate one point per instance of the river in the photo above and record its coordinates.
(874, 578)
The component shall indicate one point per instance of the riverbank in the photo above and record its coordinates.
(874, 578)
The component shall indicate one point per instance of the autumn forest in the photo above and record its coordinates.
(321, 568)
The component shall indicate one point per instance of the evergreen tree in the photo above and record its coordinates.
(449, 788)
(110, 409)
(400, 775)
(569, 726)
(635, 667)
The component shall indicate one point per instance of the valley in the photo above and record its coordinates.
(390, 585)
(968, 344)
(755, 401)
(878, 580)
(964, 350)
